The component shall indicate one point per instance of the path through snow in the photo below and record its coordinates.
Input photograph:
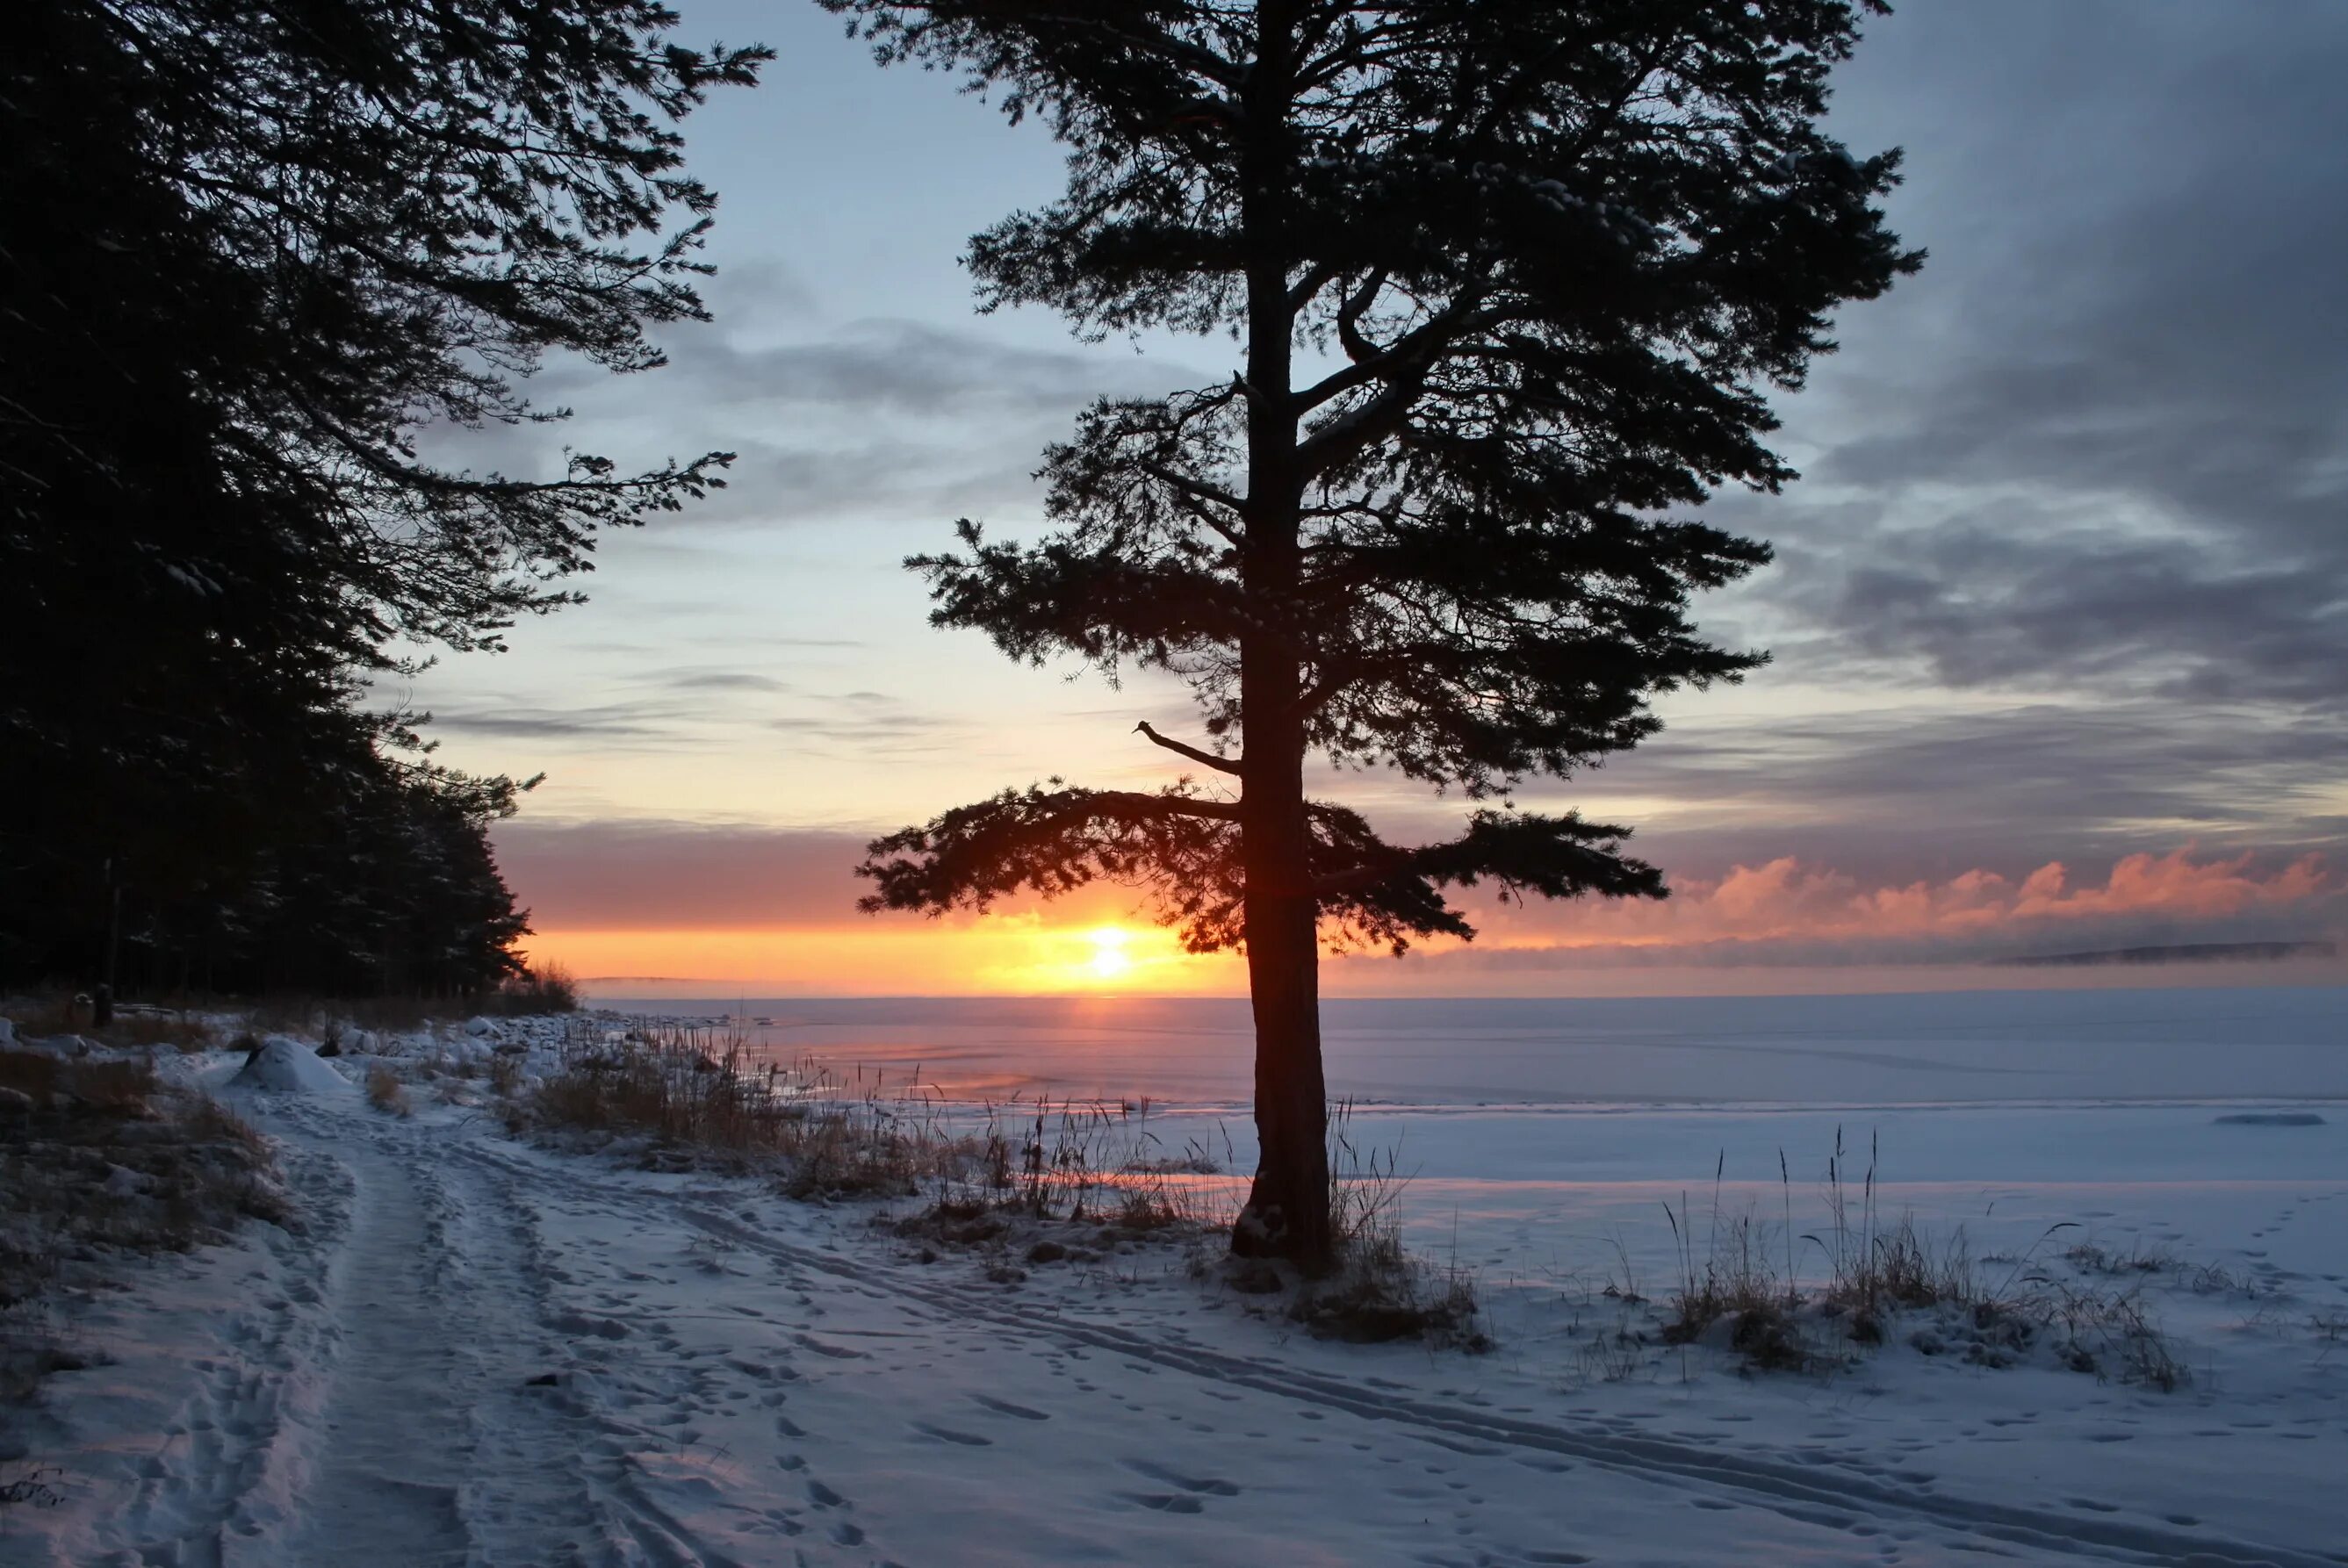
(480, 1353)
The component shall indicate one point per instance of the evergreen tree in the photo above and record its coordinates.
(1509, 279)
(252, 252)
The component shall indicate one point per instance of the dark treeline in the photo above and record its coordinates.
(251, 255)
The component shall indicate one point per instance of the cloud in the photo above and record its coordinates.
(655, 876)
(716, 680)
(608, 722)
(871, 724)
(901, 367)
(643, 875)
(1903, 792)
(674, 877)
(2102, 442)
(1786, 910)
(879, 419)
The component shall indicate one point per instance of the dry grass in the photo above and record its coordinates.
(387, 1093)
(136, 1026)
(1379, 1290)
(1736, 1281)
(1885, 1276)
(109, 1160)
(1020, 1183)
(696, 1093)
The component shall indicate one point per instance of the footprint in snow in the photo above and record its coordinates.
(1004, 1407)
(1187, 1483)
(1164, 1502)
(948, 1435)
(838, 1352)
(823, 1496)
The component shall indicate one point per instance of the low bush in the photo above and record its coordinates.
(387, 1093)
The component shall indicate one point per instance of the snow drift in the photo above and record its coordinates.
(285, 1066)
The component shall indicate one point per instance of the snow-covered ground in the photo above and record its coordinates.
(479, 1351)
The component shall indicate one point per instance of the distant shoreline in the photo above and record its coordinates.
(2181, 953)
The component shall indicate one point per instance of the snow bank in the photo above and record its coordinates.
(284, 1065)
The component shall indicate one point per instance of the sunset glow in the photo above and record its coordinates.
(1011, 954)
(1110, 960)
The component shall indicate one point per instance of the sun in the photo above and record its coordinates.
(1110, 960)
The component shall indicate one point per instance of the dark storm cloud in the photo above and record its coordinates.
(2103, 440)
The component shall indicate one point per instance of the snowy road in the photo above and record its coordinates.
(481, 1353)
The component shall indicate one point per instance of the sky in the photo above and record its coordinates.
(2058, 616)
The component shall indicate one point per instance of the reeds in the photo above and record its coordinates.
(1884, 1275)
(700, 1089)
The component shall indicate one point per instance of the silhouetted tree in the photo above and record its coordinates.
(1509, 278)
(253, 253)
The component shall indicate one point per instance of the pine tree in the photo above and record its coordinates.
(252, 252)
(1509, 280)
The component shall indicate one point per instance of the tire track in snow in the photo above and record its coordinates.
(1812, 1493)
(438, 1444)
(383, 1486)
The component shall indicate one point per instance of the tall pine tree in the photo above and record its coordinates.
(251, 252)
(1509, 279)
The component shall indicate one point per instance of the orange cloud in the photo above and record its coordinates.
(1784, 899)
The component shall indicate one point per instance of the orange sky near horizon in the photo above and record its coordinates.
(1776, 927)
(1008, 955)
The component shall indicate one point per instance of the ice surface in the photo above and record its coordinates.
(1960, 1047)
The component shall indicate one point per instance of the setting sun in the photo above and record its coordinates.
(1110, 960)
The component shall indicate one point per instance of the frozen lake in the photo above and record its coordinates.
(1964, 1047)
(1541, 1134)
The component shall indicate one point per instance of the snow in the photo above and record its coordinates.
(479, 1350)
(284, 1065)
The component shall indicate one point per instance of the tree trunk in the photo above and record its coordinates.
(1287, 1212)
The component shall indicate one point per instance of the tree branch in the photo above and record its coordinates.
(1205, 759)
(1556, 857)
